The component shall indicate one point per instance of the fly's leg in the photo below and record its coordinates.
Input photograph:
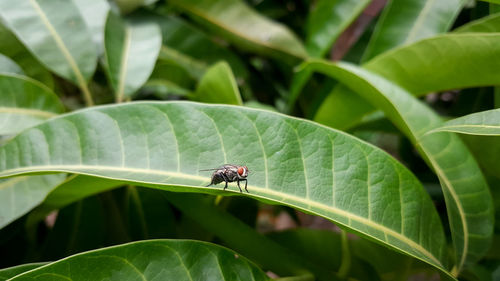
(226, 180)
(238, 182)
(246, 185)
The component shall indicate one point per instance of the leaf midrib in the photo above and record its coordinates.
(285, 196)
(123, 64)
(24, 111)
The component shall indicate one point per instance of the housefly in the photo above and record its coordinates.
(229, 173)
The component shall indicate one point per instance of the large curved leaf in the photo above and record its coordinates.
(6, 273)
(132, 46)
(469, 202)
(327, 20)
(485, 123)
(58, 39)
(452, 59)
(18, 195)
(244, 27)
(25, 102)
(490, 24)
(406, 21)
(151, 260)
(164, 145)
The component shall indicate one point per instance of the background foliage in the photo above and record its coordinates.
(370, 128)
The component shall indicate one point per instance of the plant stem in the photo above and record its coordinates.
(345, 264)
(86, 94)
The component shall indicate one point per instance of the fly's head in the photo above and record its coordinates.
(242, 172)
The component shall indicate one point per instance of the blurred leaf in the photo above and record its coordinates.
(94, 14)
(11, 47)
(9, 66)
(485, 123)
(73, 189)
(58, 39)
(468, 200)
(18, 195)
(244, 27)
(409, 67)
(177, 139)
(10, 272)
(327, 20)
(152, 260)
(406, 21)
(194, 48)
(489, 24)
(218, 86)
(24, 103)
(132, 46)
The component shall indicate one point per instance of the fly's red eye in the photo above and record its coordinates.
(240, 171)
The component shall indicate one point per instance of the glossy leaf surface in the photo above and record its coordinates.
(218, 85)
(25, 102)
(355, 184)
(407, 21)
(485, 123)
(132, 46)
(327, 20)
(452, 59)
(6, 273)
(152, 260)
(244, 27)
(59, 40)
(18, 195)
(468, 199)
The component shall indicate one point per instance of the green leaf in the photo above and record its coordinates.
(11, 47)
(10, 272)
(18, 195)
(24, 103)
(132, 46)
(218, 86)
(327, 20)
(244, 27)
(409, 67)
(407, 21)
(94, 14)
(166, 144)
(58, 39)
(196, 49)
(489, 24)
(485, 123)
(9, 66)
(73, 189)
(152, 260)
(469, 202)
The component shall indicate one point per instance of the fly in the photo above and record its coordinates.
(229, 173)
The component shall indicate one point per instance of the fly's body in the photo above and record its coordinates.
(229, 173)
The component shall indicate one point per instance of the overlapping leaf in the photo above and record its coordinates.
(9, 66)
(10, 272)
(94, 14)
(244, 27)
(25, 102)
(151, 260)
(327, 20)
(132, 46)
(58, 39)
(291, 161)
(21, 194)
(218, 85)
(485, 123)
(407, 21)
(468, 200)
(452, 59)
